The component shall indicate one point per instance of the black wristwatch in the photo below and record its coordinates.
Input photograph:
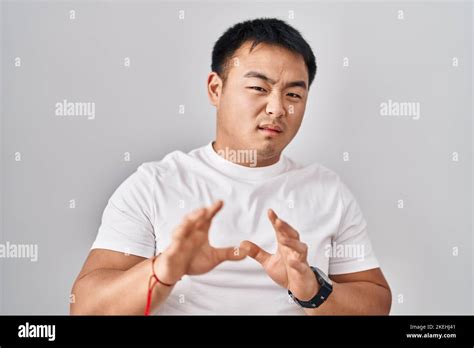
(323, 293)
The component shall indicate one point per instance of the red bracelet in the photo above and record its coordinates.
(151, 286)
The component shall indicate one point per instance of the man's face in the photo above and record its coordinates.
(264, 90)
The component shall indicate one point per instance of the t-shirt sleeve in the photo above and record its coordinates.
(351, 247)
(127, 219)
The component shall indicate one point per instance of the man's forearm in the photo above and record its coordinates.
(110, 291)
(355, 298)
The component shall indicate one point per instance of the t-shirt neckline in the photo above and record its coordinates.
(242, 172)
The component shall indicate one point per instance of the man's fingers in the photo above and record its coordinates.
(205, 212)
(282, 226)
(195, 215)
(230, 254)
(200, 217)
(295, 245)
(187, 224)
(272, 216)
(273, 219)
(254, 251)
(287, 228)
(214, 209)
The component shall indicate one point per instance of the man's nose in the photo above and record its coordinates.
(275, 106)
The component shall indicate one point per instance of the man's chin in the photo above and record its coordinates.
(267, 150)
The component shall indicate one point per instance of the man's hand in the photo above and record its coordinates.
(288, 267)
(190, 252)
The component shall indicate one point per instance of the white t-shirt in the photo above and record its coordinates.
(146, 208)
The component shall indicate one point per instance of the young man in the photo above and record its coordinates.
(284, 227)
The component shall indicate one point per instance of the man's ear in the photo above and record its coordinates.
(214, 88)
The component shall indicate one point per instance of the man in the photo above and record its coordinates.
(270, 248)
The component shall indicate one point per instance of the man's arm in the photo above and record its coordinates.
(359, 293)
(114, 283)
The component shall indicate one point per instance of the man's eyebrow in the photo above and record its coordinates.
(259, 75)
(300, 83)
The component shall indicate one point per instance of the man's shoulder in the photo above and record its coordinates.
(159, 168)
(169, 164)
(314, 170)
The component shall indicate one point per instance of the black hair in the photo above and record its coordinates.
(261, 30)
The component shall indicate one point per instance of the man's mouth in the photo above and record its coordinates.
(270, 129)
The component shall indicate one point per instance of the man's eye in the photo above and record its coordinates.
(257, 88)
(294, 95)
